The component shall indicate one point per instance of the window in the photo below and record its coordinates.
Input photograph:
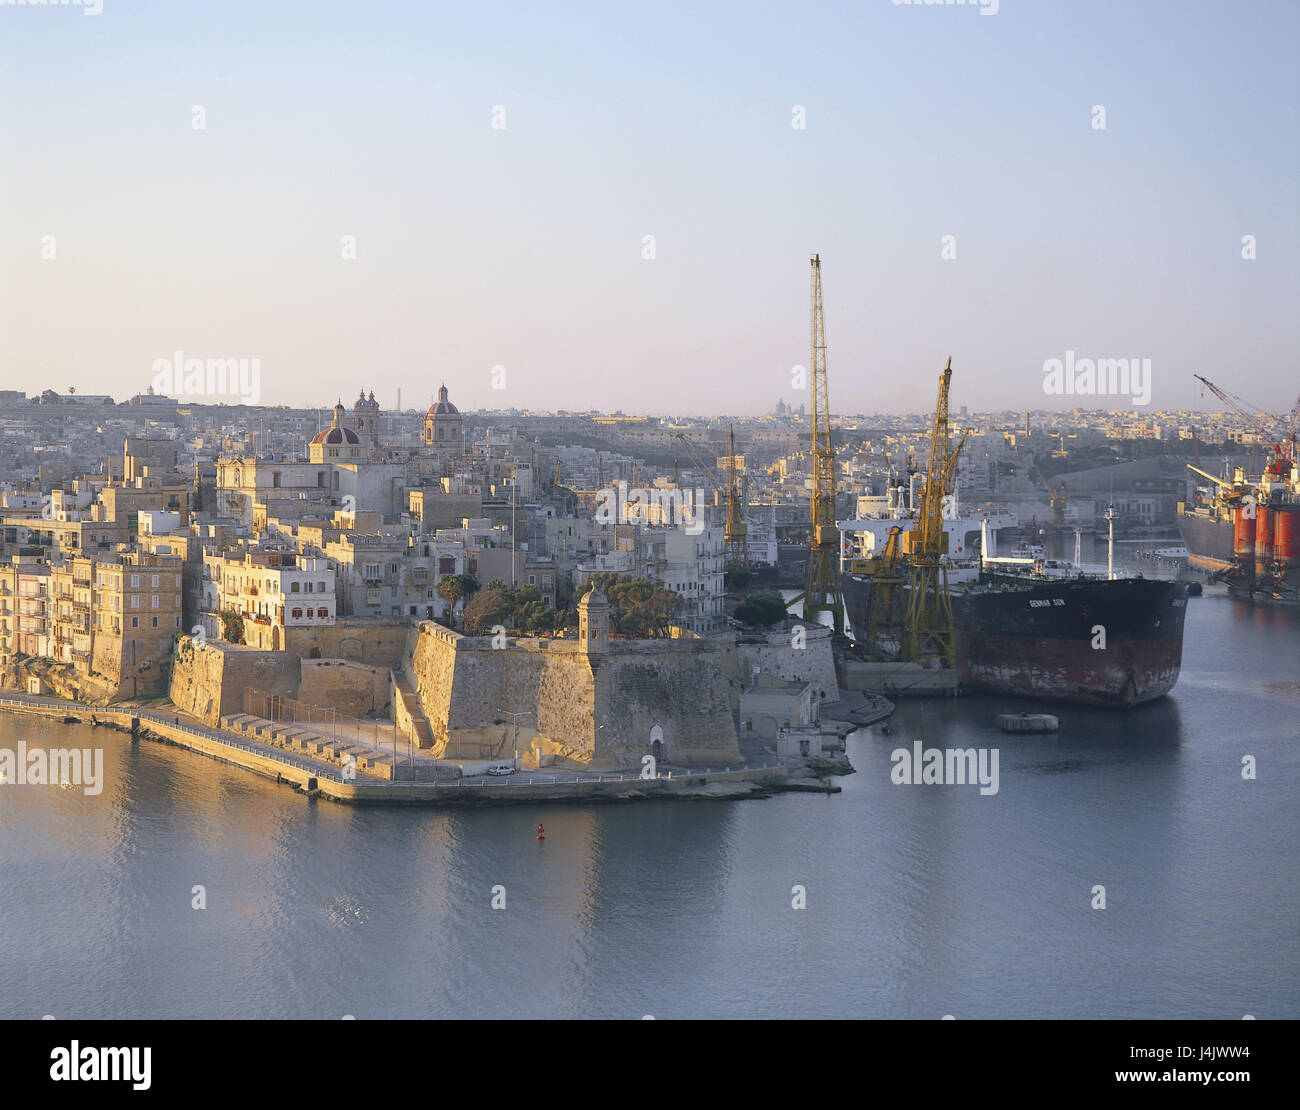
(135, 601)
(297, 614)
(135, 581)
(153, 602)
(178, 620)
(320, 587)
(532, 580)
(322, 612)
(155, 622)
(293, 588)
(372, 572)
(135, 622)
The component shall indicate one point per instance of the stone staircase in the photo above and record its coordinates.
(411, 706)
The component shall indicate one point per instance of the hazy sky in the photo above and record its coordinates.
(523, 248)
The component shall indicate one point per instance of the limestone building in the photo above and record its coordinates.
(444, 428)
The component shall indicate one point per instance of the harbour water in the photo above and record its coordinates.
(921, 901)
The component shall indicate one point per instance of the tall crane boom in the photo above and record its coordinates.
(822, 593)
(736, 530)
(929, 625)
(1281, 458)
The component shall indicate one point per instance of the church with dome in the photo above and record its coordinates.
(338, 443)
(444, 427)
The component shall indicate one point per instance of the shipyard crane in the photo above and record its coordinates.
(929, 627)
(822, 594)
(736, 530)
(885, 602)
(1056, 497)
(1281, 463)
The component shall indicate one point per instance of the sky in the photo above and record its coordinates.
(512, 262)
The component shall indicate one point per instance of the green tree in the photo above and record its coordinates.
(486, 610)
(737, 579)
(232, 626)
(639, 607)
(455, 587)
(762, 609)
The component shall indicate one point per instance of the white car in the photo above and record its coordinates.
(501, 769)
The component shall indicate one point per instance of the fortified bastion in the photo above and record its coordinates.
(591, 702)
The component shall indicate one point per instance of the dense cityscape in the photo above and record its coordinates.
(698, 512)
(374, 510)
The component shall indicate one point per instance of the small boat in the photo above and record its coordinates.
(1028, 722)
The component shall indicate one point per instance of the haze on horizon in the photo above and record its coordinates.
(523, 247)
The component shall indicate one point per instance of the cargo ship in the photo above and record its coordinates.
(1076, 639)
(1035, 627)
(1248, 532)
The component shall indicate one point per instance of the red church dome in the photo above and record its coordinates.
(336, 435)
(443, 407)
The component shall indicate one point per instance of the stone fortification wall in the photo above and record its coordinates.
(774, 653)
(549, 698)
(381, 643)
(208, 682)
(354, 689)
(675, 691)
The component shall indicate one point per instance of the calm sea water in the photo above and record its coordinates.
(921, 900)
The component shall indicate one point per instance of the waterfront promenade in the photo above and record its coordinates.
(320, 777)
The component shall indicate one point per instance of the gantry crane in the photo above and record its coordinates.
(929, 628)
(822, 594)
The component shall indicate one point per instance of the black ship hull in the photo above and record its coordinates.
(1116, 643)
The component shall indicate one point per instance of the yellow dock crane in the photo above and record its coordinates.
(885, 602)
(929, 627)
(822, 594)
(1056, 497)
(736, 531)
